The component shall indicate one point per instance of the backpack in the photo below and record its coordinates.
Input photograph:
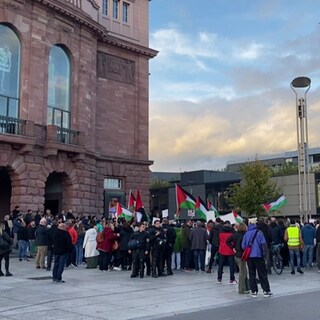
(100, 237)
(133, 244)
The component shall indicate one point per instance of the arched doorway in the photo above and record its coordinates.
(57, 192)
(5, 192)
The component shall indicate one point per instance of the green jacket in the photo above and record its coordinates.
(178, 244)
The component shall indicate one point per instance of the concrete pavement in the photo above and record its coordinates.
(92, 294)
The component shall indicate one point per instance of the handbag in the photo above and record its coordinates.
(100, 237)
(246, 252)
(115, 246)
(4, 245)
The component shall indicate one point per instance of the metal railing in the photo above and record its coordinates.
(77, 3)
(12, 125)
(68, 136)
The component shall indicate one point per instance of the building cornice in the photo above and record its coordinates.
(76, 14)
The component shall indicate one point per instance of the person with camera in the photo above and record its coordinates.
(139, 246)
(158, 244)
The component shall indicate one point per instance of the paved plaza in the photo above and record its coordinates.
(92, 294)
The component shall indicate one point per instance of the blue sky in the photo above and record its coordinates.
(220, 85)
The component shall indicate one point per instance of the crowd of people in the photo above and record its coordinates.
(161, 248)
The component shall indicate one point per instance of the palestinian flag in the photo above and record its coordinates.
(276, 205)
(238, 219)
(211, 207)
(200, 209)
(131, 202)
(184, 199)
(139, 204)
(122, 212)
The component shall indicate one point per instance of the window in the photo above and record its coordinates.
(112, 183)
(9, 72)
(58, 112)
(125, 12)
(115, 9)
(105, 7)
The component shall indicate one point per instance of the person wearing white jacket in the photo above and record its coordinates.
(90, 248)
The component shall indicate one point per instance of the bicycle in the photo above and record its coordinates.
(276, 259)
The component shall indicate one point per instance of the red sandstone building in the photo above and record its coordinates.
(73, 103)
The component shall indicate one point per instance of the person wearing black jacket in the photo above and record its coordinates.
(170, 240)
(214, 241)
(318, 246)
(62, 247)
(41, 243)
(234, 242)
(140, 251)
(51, 230)
(158, 243)
(125, 234)
(266, 230)
(5, 251)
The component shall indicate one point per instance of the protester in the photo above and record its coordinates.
(90, 244)
(256, 262)
(5, 250)
(41, 243)
(62, 248)
(198, 238)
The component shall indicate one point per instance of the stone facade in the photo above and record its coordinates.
(109, 104)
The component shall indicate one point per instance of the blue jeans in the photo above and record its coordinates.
(79, 254)
(59, 263)
(308, 255)
(292, 253)
(199, 255)
(23, 245)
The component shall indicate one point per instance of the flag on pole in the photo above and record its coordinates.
(122, 212)
(139, 204)
(276, 205)
(184, 200)
(200, 209)
(237, 217)
(131, 202)
(211, 207)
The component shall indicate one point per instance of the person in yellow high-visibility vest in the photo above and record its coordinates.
(294, 240)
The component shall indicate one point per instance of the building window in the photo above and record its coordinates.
(105, 7)
(115, 9)
(9, 72)
(112, 183)
(125, 12)
(58, 88)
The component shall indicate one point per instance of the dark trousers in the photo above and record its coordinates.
(5, 256)
(258, 265)
(126, 259)
(138, 259)
(231, 262)
(214, 250)
(168, 257)
(72, 257)
(49, 258)
(59, 263)
(186, 258)
(199, 256)
(104, 260)
(157, 261)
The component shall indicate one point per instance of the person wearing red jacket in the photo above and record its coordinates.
(226, 253)
(105, 247)
(74, 239)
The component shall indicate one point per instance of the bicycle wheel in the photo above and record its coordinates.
(277, 264)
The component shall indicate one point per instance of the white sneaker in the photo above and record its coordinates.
(116, 268)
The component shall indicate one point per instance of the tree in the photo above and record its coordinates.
(255, 189)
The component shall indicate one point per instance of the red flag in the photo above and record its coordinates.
(131, 201)
(139, 204)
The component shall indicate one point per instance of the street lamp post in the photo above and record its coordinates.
(302, 85)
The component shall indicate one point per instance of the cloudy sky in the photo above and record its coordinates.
(220, 85)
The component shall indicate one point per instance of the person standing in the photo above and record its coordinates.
(256, 262)
(235, 242)
(142, 249)
(41, 243)
(170, 235)
(308, 234)
(5, 251)
(90, 244)
(186, 246)
(214, 241)
(293, 237)
(198, 238)
(62, 248)
(226, 253)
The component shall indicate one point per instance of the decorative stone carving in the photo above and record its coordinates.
(115, 68)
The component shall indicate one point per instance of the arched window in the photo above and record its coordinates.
(9, 72)
(58, 88)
